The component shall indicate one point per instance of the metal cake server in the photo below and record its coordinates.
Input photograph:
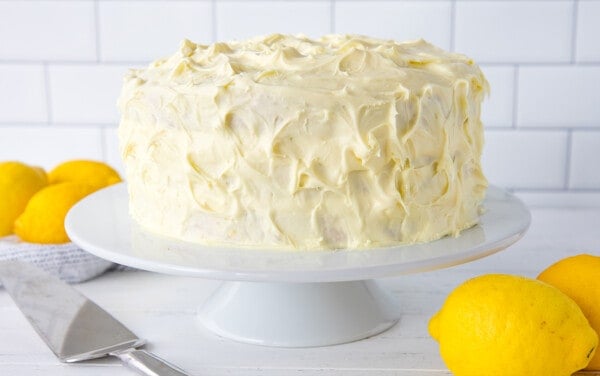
(74, 327)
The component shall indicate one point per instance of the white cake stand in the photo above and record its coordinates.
(285, 298)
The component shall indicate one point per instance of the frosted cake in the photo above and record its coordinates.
(289, 142)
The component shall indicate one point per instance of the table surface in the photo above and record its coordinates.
(162, 309)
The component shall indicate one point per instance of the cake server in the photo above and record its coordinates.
(74, 327)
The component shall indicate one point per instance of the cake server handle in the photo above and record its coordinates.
(146, 363)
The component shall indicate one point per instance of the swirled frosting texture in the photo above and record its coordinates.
(288, 142)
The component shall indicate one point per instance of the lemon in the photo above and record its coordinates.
(18, 182)
(579, 278)
(93, 173)
(44, 216)
(505, 325)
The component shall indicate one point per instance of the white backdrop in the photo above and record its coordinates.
(61, 64)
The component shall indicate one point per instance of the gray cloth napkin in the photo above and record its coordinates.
(67, 261)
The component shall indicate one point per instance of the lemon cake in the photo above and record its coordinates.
(295, 143)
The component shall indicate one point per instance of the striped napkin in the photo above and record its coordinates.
(67, 261)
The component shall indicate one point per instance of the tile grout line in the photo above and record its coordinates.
(574, 21)
(489, 128)
(555, 190)
(452, 25)
(593, 64)
(332, 17)
(515, 96)
(284, 1)
(568, 159)
(213, 15)
(49, 114)
(543, 128)
(72, 62)
(97, 28)
(540, 63)
(33, 124)
(559, 190)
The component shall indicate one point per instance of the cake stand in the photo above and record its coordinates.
(289, 298)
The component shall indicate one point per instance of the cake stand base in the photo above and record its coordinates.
(299, 314)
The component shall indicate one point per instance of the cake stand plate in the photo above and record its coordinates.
(289, 298)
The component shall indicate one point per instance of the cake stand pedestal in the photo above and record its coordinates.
(299, 314)
(289, 298)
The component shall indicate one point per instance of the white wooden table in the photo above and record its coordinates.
(163, 308)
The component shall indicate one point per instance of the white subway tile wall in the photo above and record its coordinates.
(62, 62)
(49, 145)
(498, 108)
(23, 93)
(81, 94)
(588, 30)
(515, 31)
(245, 19)
(111, 145)
(47, 30)
(400, 20)
(559, 96)
(525, 159)
(147, 30)
(585, 155)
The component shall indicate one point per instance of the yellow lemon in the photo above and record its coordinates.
(44, 216)
(93, 173)
(579, 278)
(18, 182)
(505, 325)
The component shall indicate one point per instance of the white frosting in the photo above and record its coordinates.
(288, 142)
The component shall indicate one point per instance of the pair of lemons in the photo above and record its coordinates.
(33, 203)
(507, 325)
